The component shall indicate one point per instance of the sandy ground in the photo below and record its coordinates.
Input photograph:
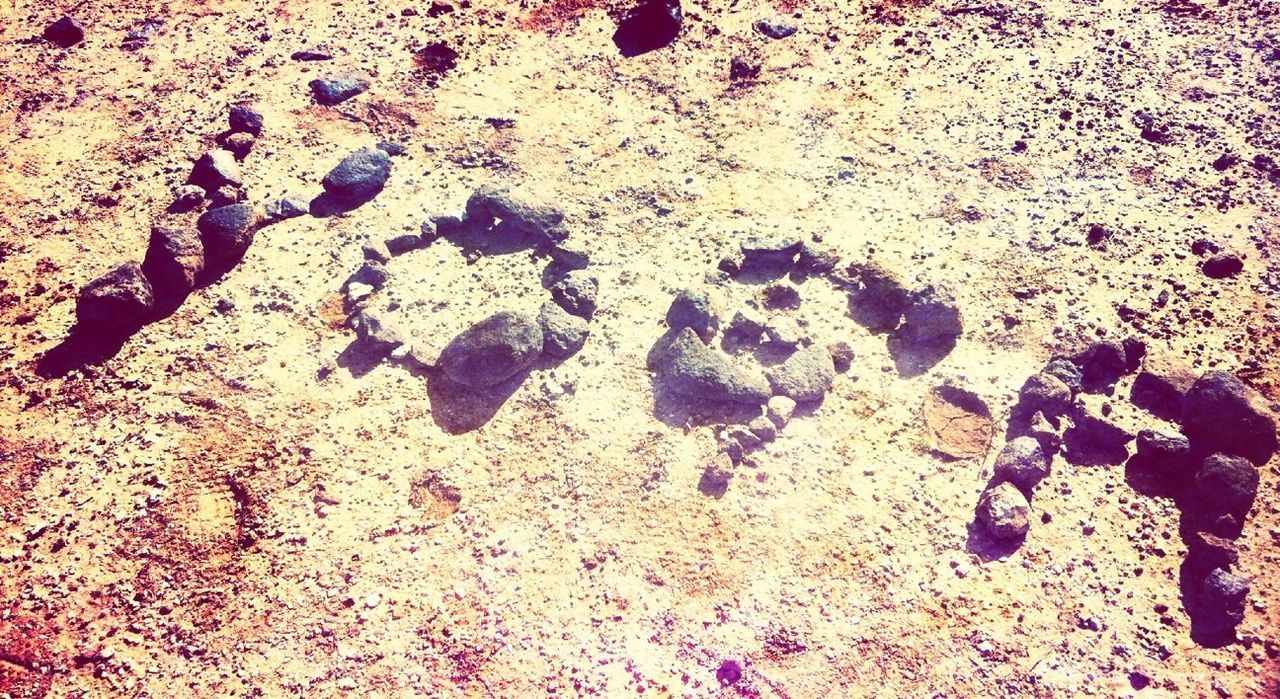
(226, 508)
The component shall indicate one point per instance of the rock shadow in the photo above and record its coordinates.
(327, 204)
(458, 409)
(987, 547)
(915, 358)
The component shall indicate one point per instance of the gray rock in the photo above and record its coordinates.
(291, 206)
(1003, 511)
(747, 324)
(489, 204)
(576, 293)
(1022, 462)
(931, 318)
(805, 376)
(570, 255)
(215, 169)
(174, 261)
(784, 331)
(403, 243)
(1224, 485)
(841, 355)
(743, 437)
(691, 369)
(245, 119)
(775, 27)
(692, 308)
(814, 260)
(769, 255)
(1221, 596)
(371, 273)
(1169, 455)
(373, 332)
(715, 478)
(1066, 372)
(562, 334)
(338, 87)
(227, 231)
(116, 300)
(187, 197)
(361, 174)
(493, 350)
(781, 296)
(1102, 365)
(226, 195)
(1220, 414)
(879, 299)
(1042, 393)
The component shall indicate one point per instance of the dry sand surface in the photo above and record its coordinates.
(240, 499)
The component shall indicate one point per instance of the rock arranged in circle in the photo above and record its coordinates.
(504, 345)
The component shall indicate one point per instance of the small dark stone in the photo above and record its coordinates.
(339, 87)
(775, 27)
(781, 297)
(742, 69)
(1201, 247)
(1102, 365)
(841, 356)
(1220, 415)
(391, 148)
(650, 26)
(187, 197)
(117, 300)
(1134, 352)
(311, 55)
(435, 58)
(1168, 455)
(1022, 462)
(814, 260)
(227, 231)
(174, 261)
(493, 350)
(728, 673)
(66, 33)
(576, 293)
(371, 273)
(931, 318)
(1207, 551)
(1222, 266)
(715, 478)
(362, 174)
(287, 207)
(691, 308)
(562, 334)
(769, 255)
(245, 119)
(1220, 599)
(400, 244)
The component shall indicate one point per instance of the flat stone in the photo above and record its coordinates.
(691, 369)
(338, 87)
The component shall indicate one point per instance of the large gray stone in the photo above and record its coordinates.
(362, 174)
(1220, 414)
(1003, 511)
(689, 368)
(175, 259)
(805, 376)
(227, 231)
(563, 334)
(493, 350)
(338, 87)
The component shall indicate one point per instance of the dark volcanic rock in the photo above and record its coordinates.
(1220, 414)
(1224, 485)
(805, 376)
(227, 231)
(287, 207)
(175, 259)
(377, 335)
(245, 119)
(1166, 454)
(1216, 605)
(216, 169)
(66, 33)
(930, 318)
(775, 27)
(1222, 265)
(691, 308)
(339, 87)
(1022, 462)
(1102, 365)
(650, 26)
(118, 299)
(879, 300)
(1160, 391)
(1042, 393)
(689, 368)
(576, 293)
(493, 350)
(361, 174)
(489, 203)
(1003, 511)
(563, 334)
(1067, 372)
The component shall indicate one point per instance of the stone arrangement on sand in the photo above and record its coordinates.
(1209, 468)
